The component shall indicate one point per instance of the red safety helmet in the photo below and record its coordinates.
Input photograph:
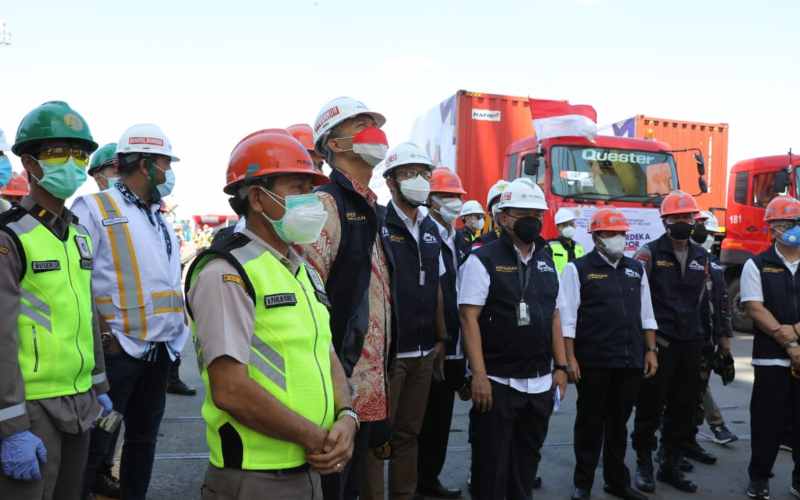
(17, 186)
(609, 219)
(782, 208)
(677, 203)
(269, 152)
(444, 180)
(303, 133)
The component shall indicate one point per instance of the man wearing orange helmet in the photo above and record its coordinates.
(14, 191)
(277, 404)
(305, 135)
(445, 207)
(770, 289)
(677, 271)
(609, 328)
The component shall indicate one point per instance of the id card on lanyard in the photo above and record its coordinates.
(523, 308)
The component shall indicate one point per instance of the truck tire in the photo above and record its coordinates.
(741, 321)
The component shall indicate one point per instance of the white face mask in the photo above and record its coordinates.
(475, 225)
(568, 232)
(416, 190)
(614, 247)
(371, 153)
(302, 220)
(449, 208)
(709, 243)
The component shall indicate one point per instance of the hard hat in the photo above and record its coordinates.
(471, 207)
(496, 190)
(678, 202)
(709, 221)
(520, 194)
(406, 153)
(303, 133)
(444, 180)
(609, 219)
(335, 112)
(265, 153)
(146, 138)
(565, 214)
(53, 120)
(782, 208)
(17, 186)
(103, 157)
(4, 145)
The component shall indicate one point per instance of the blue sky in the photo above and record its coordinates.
(211, 72)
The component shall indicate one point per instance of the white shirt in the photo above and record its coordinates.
(448, 236)
(413, 228)
(751, 291)
(473, 290)
(569, 300)
(158, 274)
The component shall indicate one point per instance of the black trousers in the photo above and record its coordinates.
(775, 398)
(507, 441)
(435, 433)
(605, 401)
(346, 484)
(673, 392)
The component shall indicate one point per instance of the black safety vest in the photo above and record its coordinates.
(450, 293)
(677, 298)
(415, 282)
(510, 350)
(608, 333)
(780, 291)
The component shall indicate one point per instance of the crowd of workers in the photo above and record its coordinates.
(333, 333)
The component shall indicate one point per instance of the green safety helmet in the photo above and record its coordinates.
(53, 120)
(102, 157)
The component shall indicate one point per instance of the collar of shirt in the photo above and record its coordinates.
(525, 258)
(133, 198)
(786, 261)
(447, 234)
(413, 226)
(608, 261)
(292, 261)
(58, 225)
(361, 189)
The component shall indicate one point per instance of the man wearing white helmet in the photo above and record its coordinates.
(512, 334)
(564, 248)
(472, 218)
(414, 248)
(350, 259)
(492, 198)
(138, 296)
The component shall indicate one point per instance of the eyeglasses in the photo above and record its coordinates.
(410, 174)
(55, 157)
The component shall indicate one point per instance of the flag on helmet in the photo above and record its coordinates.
(562, 119)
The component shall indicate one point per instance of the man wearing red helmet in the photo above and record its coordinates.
(609, 328)
(277, 404)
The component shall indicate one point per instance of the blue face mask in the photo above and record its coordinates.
(791, 237)
(164, 189)
(5, 170)
(61, 181)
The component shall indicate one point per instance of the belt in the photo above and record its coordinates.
(283, 472)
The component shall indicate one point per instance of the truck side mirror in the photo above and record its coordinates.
(530, 162)
(781, 181)
(701, 164)
(702, 183)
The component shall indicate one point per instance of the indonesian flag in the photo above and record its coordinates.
(562, 119)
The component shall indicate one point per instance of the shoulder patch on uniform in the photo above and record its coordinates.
(632, 274)
(280, 300)
(597, 276)
(505, 269)
(771, 269)
(717, 267)
(543, 267)
(233, 278)
(696, 266)
(43, 266)
(664, 263)
(428, 238)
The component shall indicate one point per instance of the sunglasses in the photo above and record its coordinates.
(55, 157)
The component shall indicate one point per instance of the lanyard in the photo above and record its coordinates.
(524, 277)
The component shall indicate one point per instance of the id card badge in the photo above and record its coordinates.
(422, 277)
(523, 314)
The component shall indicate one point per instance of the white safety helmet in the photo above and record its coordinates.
(521, 194)
(471, 207)
(4, 145)
(565, 214)
(335, 112)
(496, 190)
(709, 221)
(145, 138)
(406, 153)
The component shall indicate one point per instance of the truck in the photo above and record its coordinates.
(486, 137)
(752, 185)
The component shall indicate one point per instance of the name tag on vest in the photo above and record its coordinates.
(115, 220)
(43, 266)
(280, 300)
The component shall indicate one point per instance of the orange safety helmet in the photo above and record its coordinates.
(609, 219)
(782, 208)
(269, 152)
(444, 180)
(17, 186)
(678, 202)
(303, 133)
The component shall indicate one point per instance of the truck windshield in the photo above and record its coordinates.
(602, 173)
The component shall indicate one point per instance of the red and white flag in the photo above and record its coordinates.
(562, 119)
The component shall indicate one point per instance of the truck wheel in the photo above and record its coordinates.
(741, 321)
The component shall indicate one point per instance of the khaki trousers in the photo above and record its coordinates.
(234, 484)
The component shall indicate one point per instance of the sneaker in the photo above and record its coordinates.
(722, 435)
(758, 490)
(697, 453)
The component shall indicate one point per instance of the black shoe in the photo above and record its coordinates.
(181, 389)
(626, 493)
(699, 454)
(644, 473)
(671, 474)
(581, 494)
(685, 465)
(722, 435)
(106, 485)
(758, 490)
(537, 483)
(438, 490)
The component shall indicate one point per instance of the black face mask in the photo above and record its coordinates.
(527, 229)
(680, 230)
(699, 233)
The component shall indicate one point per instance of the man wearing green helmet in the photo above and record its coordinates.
(52, 376)
(103, 166)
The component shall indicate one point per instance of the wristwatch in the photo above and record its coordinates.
(791, 344)
(563, 368)
(652, 349)
(349, 412)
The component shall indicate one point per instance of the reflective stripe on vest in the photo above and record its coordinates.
(55, 332)
(129, 280)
